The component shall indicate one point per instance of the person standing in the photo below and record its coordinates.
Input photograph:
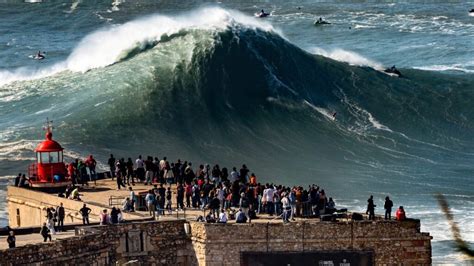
(371, 208)
(130, 172)
(119, 166)
(244, 205)
(104, 218)
(111, 164)
(133, 199)
(140, 168)
(189, 194)
(150, 202)
(286, 207)
(388, 208)
(168, 200)
(11, 240)
(50, 217)
(180, 196)
(71, 170)
(17, 180)
(149, 167)
(85, 211)
(268, 195)
(91, 164)
(60, 214)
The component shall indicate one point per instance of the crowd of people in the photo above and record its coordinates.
(226, 195)
(214, 188)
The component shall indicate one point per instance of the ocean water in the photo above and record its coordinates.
(210, 82)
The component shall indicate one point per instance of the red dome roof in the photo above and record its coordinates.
(49, 144)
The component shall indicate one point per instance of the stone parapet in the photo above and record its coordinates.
(180, 242)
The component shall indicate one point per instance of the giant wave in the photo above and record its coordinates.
(231, 89)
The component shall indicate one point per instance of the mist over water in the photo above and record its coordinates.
(213, 84)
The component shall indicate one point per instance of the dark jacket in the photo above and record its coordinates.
(44, 231)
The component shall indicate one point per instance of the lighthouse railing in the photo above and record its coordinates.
(33, 172)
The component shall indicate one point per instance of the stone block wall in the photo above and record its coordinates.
(168, 243)
(79, 250)
(145, 243)
(31, 206)
(391, 242)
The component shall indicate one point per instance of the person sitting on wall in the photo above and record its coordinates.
(200, 219)
(400, 215)
(126, 205)
(23, 181)
(240, 217)
(210, 218)
(330, 206)
(222, 217)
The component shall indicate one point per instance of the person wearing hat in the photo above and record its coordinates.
(245, 205)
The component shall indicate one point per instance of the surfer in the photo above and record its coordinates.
(393, 70)
(471, 11)
(39, 56)
(334, 115)
(320, 21)
(262, 14)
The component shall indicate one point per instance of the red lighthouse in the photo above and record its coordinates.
(49, 170)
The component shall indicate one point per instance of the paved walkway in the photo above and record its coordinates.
(99, 195)
(22, 240)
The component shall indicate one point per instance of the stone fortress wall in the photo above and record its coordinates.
(26, 207)
(180, 242)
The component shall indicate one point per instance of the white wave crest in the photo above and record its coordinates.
(349, 57)
(109, 45)
(455, 67)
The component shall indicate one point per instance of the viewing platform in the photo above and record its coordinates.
(178, 239)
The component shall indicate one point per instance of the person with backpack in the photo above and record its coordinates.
(104, 218)
(388, 208)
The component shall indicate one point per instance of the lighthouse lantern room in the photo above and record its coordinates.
(49, 170)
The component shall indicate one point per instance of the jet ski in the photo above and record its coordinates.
(262, 14)
(393, 71)
(38, 57)
(321, 22)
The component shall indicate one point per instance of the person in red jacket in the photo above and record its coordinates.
(400, 214)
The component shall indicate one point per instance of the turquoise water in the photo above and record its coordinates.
(211, 83)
